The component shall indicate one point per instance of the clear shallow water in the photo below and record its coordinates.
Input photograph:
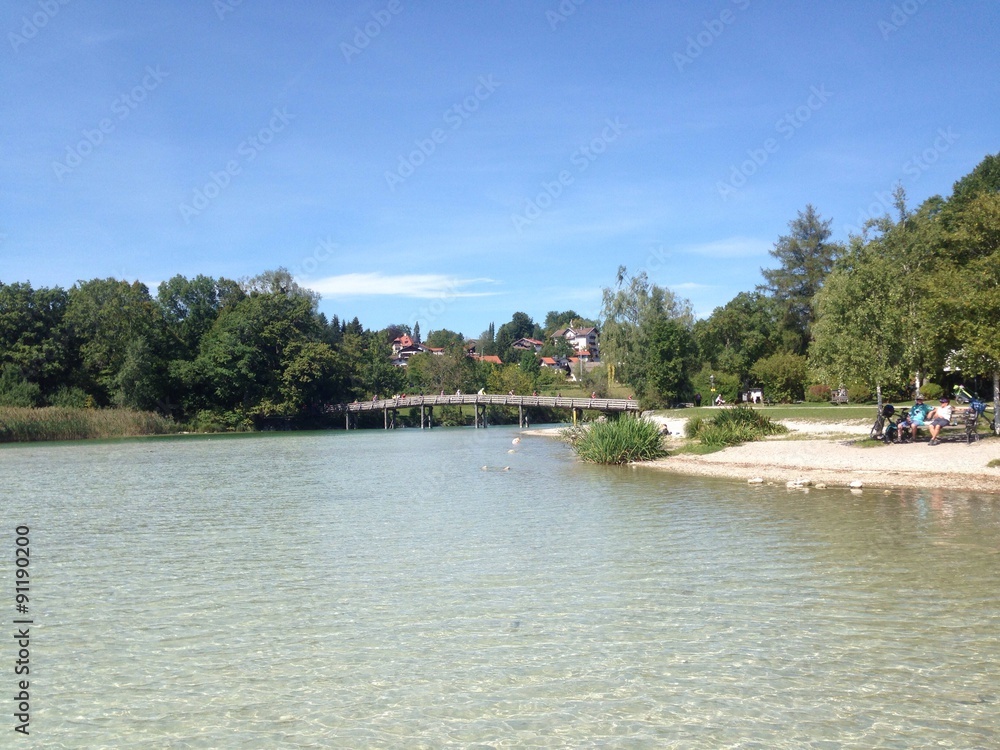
(381, 590)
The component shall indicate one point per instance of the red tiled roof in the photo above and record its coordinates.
(492, 358)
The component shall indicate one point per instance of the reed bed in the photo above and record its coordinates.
(732, 426)
(618, 441)
(19, 424)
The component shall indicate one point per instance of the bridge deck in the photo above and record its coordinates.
(596, 404)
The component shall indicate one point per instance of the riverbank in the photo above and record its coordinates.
(22, 425)
(837, 455)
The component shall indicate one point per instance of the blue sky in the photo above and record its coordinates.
(453, 163)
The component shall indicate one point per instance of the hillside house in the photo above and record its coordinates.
(584, 341)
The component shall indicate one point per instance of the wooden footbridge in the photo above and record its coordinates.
(390, 406)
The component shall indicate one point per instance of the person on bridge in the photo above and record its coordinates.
(481, 392)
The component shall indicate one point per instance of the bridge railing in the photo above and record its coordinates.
(595, 404)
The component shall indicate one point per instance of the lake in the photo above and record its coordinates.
(427, 589)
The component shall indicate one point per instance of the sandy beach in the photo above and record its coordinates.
(832, 454)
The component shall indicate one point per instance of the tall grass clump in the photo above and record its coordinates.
(20, 424)
(619, 441)
(732, 426)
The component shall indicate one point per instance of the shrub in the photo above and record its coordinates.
(693, 427)
(619, 441)
(818, 394)
(70, 397)
(732, 426)
(16, 390)
(783, 376)
(931, 391)
(859, 393)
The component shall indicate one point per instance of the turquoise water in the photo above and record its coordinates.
(404, 590)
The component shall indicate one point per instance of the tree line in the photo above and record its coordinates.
(906, 306)
(909, 299)
(227, 354)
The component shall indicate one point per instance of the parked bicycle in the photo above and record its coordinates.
(883, 422)
(977, 410)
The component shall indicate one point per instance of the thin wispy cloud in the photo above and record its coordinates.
(417, 285)
(732, 247)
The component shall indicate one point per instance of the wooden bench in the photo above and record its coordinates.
(965, 418)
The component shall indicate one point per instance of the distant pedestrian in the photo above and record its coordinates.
(697, 399)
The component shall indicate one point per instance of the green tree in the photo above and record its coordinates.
(33, 336)
(16, 390)
(669, 356)
(445, 339)
(191, 306)
(806, 256)
(258, 359)
(858, 334)
(629, 311)
(506, 378)
(113, 321)
(782, 376)
(971, 288)
(486, 345)
(736, 335)
(530, 363)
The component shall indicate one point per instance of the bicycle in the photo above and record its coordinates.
(878, 430)
(977, 410)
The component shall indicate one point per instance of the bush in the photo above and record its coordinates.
(693, 427)
(732, 426)
(70, 397)
(16, 390)
(619, 441)
(818, 394)
(931, 391)
(783, 376)
(859, 393)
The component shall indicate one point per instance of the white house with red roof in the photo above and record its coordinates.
(404, 347)
(585, 341)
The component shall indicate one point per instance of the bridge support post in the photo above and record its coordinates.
(421, 416)
(347, 420)
(574, 416)
(385, 418)
(520, 416)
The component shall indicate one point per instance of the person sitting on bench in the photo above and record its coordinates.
(940, 416)
(918, 417)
